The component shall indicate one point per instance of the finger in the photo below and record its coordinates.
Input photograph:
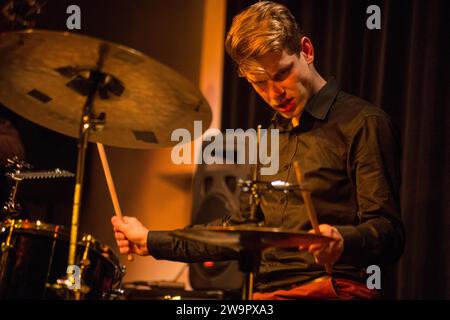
(322, 256)
(123, 243)
(120, 236)
(118, 224)
(124, 250)
(316, 247)
(127, 219)
(115, 220)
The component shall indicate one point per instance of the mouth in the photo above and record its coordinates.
(286, 106)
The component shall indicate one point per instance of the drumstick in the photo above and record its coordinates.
(111, 188)
(309, 207)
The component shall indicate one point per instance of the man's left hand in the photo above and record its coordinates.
(330, 252)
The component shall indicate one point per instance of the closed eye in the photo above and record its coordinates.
(282, 74)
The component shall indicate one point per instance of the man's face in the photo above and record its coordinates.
(286, 84)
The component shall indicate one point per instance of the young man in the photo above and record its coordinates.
(349, 157)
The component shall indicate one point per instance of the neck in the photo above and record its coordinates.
(317, 82)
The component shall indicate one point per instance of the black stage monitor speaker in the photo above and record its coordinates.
(216, 194)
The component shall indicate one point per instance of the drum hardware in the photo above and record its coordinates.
(249, 260)
(85, 262)
(114, 294)
(12, 207)
(49, 268)
(155, 284)
(121, 271)
(268, 186)
(249, 241)
(251, 238)
(89, 121)
(60, 288)
(34, 69)
(69, 282)
(31, 270)
(166, 290)
(34, 175)
(17, 171)
(5, 246)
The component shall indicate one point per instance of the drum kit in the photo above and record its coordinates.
(98, 91)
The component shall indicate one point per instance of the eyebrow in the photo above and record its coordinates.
(280, 71)
(283, 69)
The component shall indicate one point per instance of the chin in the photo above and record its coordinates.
(287, 116)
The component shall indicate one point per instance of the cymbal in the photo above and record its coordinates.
(43, 76)
(250, 237)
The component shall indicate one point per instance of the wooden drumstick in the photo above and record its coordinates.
(111, 188)
(309, 207)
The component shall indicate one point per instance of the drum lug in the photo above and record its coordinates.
(113, 294)
(120, 272)
(6, 247)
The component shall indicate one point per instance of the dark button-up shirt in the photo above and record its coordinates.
(349, 155)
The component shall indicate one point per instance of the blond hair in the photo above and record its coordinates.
(264, 27)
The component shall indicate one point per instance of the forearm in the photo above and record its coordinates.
(377, 241)
(162, 245)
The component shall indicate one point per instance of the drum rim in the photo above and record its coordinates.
(62, 233)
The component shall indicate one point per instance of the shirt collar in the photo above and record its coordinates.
(317, 106)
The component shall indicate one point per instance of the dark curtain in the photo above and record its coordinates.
(404, 69)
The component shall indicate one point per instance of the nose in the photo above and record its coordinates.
(276, 91)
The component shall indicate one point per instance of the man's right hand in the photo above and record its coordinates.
(131, 235)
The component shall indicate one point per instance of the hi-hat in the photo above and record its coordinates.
(43, 77)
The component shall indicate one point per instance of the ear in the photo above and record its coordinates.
(307, 49)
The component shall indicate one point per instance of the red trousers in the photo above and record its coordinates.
(328, 288)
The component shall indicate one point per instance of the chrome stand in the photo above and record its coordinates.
(89, 121)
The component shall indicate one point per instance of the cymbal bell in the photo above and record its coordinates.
(43, 78)
(250, 237)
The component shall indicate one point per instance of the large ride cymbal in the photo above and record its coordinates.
(43, 78)
(250, 237)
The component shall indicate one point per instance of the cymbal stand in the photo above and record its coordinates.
(254, 192)
(89, 121)
(250, 259)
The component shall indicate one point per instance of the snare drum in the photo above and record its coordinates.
(34, 256)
